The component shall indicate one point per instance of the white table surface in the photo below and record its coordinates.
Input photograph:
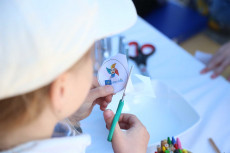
(178, 69)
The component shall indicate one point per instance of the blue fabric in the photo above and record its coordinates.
(177, 22)
(62, 130)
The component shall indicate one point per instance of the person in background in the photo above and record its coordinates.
(218, 13)
(46, 72)
(219, 62)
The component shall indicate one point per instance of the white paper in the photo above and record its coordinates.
(203, 57)
(114, 71)
(146, 88)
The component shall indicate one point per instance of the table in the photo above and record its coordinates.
(178, 69)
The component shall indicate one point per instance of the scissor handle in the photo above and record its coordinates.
(148, 46)
(115, 120)
(134, 43)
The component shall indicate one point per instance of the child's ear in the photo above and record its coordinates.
(58, 93)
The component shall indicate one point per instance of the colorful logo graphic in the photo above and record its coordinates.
(113, 70)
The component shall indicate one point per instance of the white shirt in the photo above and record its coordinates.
(74, 144)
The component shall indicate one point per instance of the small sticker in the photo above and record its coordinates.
(108, 82)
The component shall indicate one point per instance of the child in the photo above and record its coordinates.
(46, 73)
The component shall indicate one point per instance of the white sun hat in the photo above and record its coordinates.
(40, 39)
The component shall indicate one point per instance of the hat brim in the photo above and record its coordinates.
(114, 17)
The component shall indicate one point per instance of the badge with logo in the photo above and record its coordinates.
(114, 71)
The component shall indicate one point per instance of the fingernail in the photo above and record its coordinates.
(214, 76)
(109, 89)
(203, 71)
(108, 113)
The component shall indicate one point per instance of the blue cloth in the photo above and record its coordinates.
(62, 130)
(177, 22)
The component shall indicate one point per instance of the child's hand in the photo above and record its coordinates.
(97, 95)
(134, 139)
(219, 62)
(100, 95)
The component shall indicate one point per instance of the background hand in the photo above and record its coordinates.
(134, 139)
(219, 62)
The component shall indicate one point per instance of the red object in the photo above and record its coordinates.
(176, 146)
(148, 46)
(116, 71)
(136, 47)
(134, 43)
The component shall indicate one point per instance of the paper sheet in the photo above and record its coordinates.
(114, 71)
(203, 57)
(146, 88)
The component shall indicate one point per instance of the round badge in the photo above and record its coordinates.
(112, 72)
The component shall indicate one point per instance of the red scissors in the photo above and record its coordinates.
(140, 56)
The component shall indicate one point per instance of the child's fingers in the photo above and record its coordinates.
(102, 100)
(124, 126)
(100, 92)
(108, 117)
(126, 120)
(103, 106)
(130, 120)
(99, 101)
(109, 98)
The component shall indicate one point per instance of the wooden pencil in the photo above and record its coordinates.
(214, 145)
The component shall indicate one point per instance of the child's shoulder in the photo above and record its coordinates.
(58, 145)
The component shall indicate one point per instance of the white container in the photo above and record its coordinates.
(165, 116)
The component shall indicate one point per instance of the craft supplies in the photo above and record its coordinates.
(171, 146)
(217, 150)
(178, 143)
(140, 54)
(173, 141)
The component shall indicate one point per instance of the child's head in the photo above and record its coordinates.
(45, 51)
(61, 97)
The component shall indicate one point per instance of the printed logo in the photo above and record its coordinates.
(113, 70)
(108, 82)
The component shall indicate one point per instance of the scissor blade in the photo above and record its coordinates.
(127, 82)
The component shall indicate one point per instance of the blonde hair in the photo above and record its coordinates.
(22, 109)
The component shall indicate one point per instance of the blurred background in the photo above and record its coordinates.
(194, 24)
